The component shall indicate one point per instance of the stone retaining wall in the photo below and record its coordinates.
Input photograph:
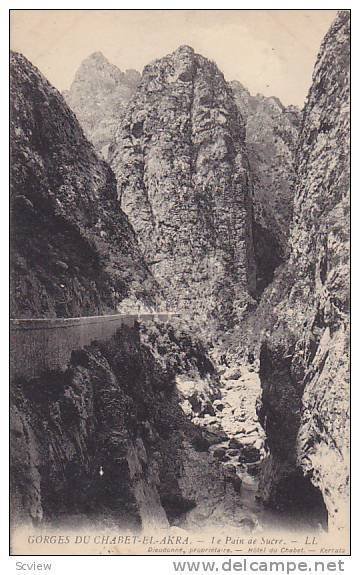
(40, 345)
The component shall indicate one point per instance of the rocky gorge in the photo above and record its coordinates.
(228, 208)
(118, 413)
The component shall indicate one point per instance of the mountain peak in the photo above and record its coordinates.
(97, 86)
(97, 63)
(184, 48)
(175, 156)
(96, 57)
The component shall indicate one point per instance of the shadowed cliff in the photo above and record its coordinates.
(73, 251)
(304, 360)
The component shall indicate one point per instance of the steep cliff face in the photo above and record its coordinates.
(98, 95)
(304, 362)
(271, 140)
(73, 250)
(183, 180)
(107, 440)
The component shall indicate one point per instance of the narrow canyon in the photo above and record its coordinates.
(177, 191)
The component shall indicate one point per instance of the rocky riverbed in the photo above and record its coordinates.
(229, 422)
(228, 417)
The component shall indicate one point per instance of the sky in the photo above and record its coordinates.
(271, 52)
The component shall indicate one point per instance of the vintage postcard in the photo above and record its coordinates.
(179, 328)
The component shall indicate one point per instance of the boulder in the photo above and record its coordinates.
(186, 407)
(253, 469)
(249, 454)
(248, 523)
(249, 429)
(232, 373)
(219, 453)
(246, 440)
(218, 405)
(214, 436)
(234, 444)
(233, 452)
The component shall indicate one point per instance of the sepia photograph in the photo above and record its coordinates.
(179, 282)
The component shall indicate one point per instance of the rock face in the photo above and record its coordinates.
(183, 180)
(304, 362)
(271, 140)
(107, 441)
(98, 95)
(73, 250)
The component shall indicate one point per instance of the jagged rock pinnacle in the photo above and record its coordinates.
(183, 181)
